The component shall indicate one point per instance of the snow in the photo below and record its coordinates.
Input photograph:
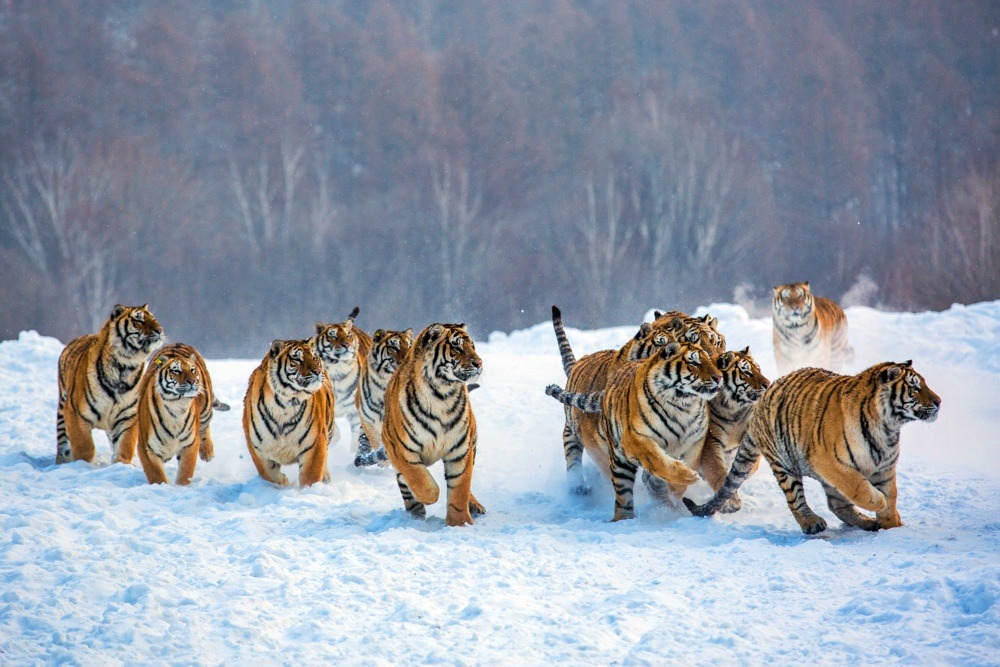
(97, 567)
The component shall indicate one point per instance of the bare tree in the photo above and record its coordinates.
(605, 240)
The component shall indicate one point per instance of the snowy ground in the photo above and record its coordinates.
(98, 568)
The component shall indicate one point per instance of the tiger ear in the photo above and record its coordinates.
(435, 330)
(144, 306)
(117, 310)
(714, 323)
(724, 360)
(160, 360)
(908, 363)
(657, 314)
(675, 324)
(377, 336)
(276, 345)
(319, 327)
(349, 324)
(643, 331)
(890, 374)
(670, 349)
(409, 332)
(745, 350)
(806, 283)
(462, 326)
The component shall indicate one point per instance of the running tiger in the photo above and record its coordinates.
(590, 374)
(176, 404)
(99, 384)
(288, 413)
(653, 413)
(742, 386)
(808, 330)
(342, 347)
(387, 352)
(842, 430)
(428, 418)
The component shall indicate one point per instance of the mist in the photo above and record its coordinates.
(251, 168)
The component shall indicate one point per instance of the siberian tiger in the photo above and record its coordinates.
(288, 413)
(386, 354)
(342, 347)
(590, 374)
(742, 386)
(99, 384)
(808, 330)
(842, 430)
(428, 418)
(176, 402)
(653, 413)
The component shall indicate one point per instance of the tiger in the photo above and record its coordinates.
(388, 350)
(842, 430)
(342, 347)
(428, 418)
(590, 374)
(729, 415)
(288, 413)
(176, 404)
(654, 414)
(808, 330)
(99, 384)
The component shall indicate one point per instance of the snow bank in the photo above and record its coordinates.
(98, 567)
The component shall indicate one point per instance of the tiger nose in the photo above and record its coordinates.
(159, 331)
(717, 379)
(765, 384)
(936, 401)
(477, 362)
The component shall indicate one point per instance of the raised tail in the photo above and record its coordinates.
(219, 405)
(565, 351)
(743, 465)
(584, 402)
(354, 313)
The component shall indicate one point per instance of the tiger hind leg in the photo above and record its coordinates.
(415, 508)
(268, 469)
(810, 522)
(573, 451)
(845, 510)
(63, 452)
(81, 440)
(623, 479)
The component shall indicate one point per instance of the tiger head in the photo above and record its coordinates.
(294, 366)
(701, 331)
(449, 353)
(336, 343)
(177, 376)
(388, 349)
(906, 393)
(742, 381)
(793, 302)
(134, 330)
(685, 369)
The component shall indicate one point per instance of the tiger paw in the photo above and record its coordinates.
(734, 504)
(877, 503)
(456, 517)
(281, 480)
(476, 508)
(890, 520)
(812, 524)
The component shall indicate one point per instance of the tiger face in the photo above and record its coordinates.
(909, 398)
(741, 376)
(389, 348)
(454, 355)
(336, 342)
(688, 370)
(701, 331)
(793, 301)
(296, 366)
(177, 377)
(136, 330)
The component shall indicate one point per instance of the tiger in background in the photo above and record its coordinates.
(99, 384)
(428, 418)
(808, 330)
(387, 352)
(729, 415)
(842, 430)
(654, 414)
(590, 374)
(176, 404)
(342, 347)
(288, 413)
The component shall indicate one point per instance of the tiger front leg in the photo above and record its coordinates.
(63, 452)
(124, 437)
(152, 464)
(458, 476)
(189, 459)
(268, 469)
(853, 484)
(420, 483)
(657, 462)
(889, 517)
(312, 463)
(78, 432)
(573, 452)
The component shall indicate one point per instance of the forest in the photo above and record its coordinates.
(249, 168)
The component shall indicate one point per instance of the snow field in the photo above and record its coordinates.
(97, 567)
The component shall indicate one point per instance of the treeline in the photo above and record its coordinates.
(251, 167)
